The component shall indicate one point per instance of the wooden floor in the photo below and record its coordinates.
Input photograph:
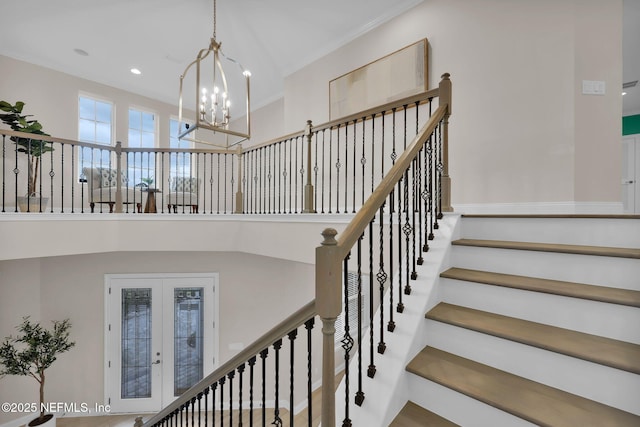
(300, 419)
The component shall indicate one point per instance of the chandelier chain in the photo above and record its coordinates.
(214, 19)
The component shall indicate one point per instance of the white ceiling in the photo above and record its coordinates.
(272, 38)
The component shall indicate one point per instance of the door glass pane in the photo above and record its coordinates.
(188, 330)
(136, 343)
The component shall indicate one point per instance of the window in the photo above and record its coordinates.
(179, 163)
(95, 120)
(352, 298)
(142, 134)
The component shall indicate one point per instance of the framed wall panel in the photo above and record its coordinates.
(400, 74)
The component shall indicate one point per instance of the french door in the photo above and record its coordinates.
(160, 337)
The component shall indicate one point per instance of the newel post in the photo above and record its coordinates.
(308, 188)
(239, 203)
(118, 175)
(328, 307)
(445, 99)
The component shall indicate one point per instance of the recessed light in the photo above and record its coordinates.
(624, 93)
(136, 71)
(81, 52)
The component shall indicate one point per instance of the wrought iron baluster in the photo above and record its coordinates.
(363, 161)
(240, 383)
(52, 174)
(315, 173)
(277, 421)
(269, 179)
(291, 172)
(199, 397)
(438, 174)
(330, 163)
(308, 325)
(347, 340)
(323, 168)
(279, 176)
(252, 364)
(338, 165)
(218, 195)
(231, 375)
(292, 337)
(360, 393)
(193, 406)
(346, 166)
(206, 407)
(353, 183)
(213, 387)
(263, 357)
(295, 171)
(232, 181)
(221, 381)
(371, 370)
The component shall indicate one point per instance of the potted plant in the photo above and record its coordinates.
(33, 148)
(31, 352)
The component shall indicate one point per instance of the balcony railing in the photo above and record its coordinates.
(329, 168)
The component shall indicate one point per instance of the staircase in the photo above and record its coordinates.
(538, 324)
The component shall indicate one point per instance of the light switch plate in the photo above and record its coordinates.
(593, 87)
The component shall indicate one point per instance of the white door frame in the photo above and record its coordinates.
(160, 282)
(631, 164)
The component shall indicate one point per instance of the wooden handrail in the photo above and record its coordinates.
(110, 147)
(283, 328)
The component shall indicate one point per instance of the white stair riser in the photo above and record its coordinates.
(592, 317)
(574, 231)
(457, 407)
(594, 270)
(607, 385)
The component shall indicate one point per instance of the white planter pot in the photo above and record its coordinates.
(32, 204)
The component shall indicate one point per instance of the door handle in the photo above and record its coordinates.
(157, 362)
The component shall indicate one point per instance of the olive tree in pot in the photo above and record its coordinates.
(31, 352)
(32, 148)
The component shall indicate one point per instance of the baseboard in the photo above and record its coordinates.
(566, 208)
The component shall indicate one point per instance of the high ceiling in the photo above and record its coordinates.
(272, 38)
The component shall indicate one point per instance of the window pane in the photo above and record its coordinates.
(134, 138)
(136, 343)
(103, 133)
(134, 119)
(148, 140)
(103, 112)
(148, 122)
(188, 336)
(86, 108)
(86, 130)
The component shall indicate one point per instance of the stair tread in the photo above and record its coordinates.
(552, 247)
(593, 348)
(570, 289)
(532, 401)
(567, 216)
(413, 415)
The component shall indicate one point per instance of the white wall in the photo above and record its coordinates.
(73, 286)
(521, 131)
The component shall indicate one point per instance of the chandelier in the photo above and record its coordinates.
(216, 92)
